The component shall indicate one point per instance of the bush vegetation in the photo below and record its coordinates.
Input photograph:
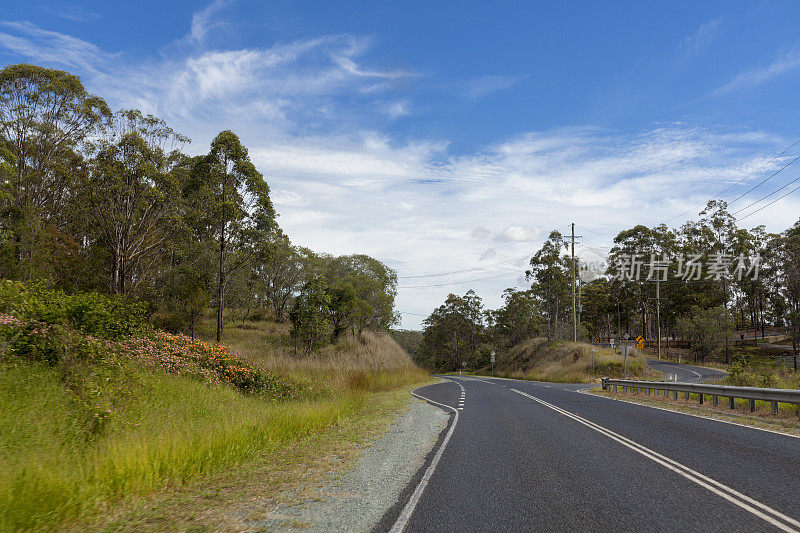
(98, 406)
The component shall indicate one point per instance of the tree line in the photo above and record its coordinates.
(107, 201)
(701, 307)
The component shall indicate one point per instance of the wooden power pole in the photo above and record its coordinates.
(574, 314)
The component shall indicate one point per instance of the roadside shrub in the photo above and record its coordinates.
(104, 316)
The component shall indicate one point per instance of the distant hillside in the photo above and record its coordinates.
(564, 362)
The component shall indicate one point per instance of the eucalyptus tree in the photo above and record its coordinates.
(366, 291)
(310, 314)
(281, 267)
(518, 318)
(549, 274)
(132, 193)
(45, 117)
(787, 259)
(230, 206)
(447, 335)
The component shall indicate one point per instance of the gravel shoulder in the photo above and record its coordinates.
(357, 499)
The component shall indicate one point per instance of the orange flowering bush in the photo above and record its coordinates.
(179, 354)
(173, 354)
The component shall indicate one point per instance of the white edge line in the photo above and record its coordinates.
(704, 481)
(408, 510)
(589, 392)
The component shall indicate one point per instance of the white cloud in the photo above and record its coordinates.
(702, 37)
(783, 64)
(517, 233)
(342, 186)
(398, 109)
(485, 85)
(480, 232)
(70, 12)
(51, 47)
(204, 20)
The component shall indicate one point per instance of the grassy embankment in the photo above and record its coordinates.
(98, 410)
(566, 362)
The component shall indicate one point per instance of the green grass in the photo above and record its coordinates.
(171, 431)
(94, 428)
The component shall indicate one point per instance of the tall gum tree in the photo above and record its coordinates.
(132, 192)
(230, 206)
(45, 117)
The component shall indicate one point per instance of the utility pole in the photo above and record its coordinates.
(658, 315)
(574, 309)
(574, 318)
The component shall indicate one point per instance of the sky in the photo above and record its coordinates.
(448, 139)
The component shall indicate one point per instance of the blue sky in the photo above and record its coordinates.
(444, 136)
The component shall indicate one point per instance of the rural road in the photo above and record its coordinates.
(529, 456)
(685, 373)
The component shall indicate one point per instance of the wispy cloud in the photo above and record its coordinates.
(485, 85)
(204, 20)
(519, 233)
(701, 38)
(70, 12)
(783, 64)
(313, 114)
(51, 47)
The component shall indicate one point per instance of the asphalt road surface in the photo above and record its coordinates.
(529, 456)
(685, 373)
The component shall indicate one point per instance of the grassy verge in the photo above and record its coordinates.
(92, 422)
(232, 498)
(172, 430)
(786, 420)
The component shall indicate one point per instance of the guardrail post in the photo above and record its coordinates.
(647, 391)
(716, 400)
(774, 408)
(604, 382)
(686, 395)
(615, 388)
(732, 402)
(674, 395)
(700, 397)
(752, 406)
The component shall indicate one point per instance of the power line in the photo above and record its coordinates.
(737, 183)
(769, 204)
(764, 180)
(473, 253)
(767, 196)
(473, 269)
(456, 282)
(597, 232)
(461, 255)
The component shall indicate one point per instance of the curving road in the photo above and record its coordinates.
(529, 456)
(685, 373)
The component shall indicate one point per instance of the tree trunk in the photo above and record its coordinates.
(221, 286)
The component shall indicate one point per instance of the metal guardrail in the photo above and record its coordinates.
(774, 396)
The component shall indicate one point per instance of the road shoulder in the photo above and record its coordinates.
(356, 500)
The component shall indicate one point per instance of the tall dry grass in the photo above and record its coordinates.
(566, 362)
(372, 361)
